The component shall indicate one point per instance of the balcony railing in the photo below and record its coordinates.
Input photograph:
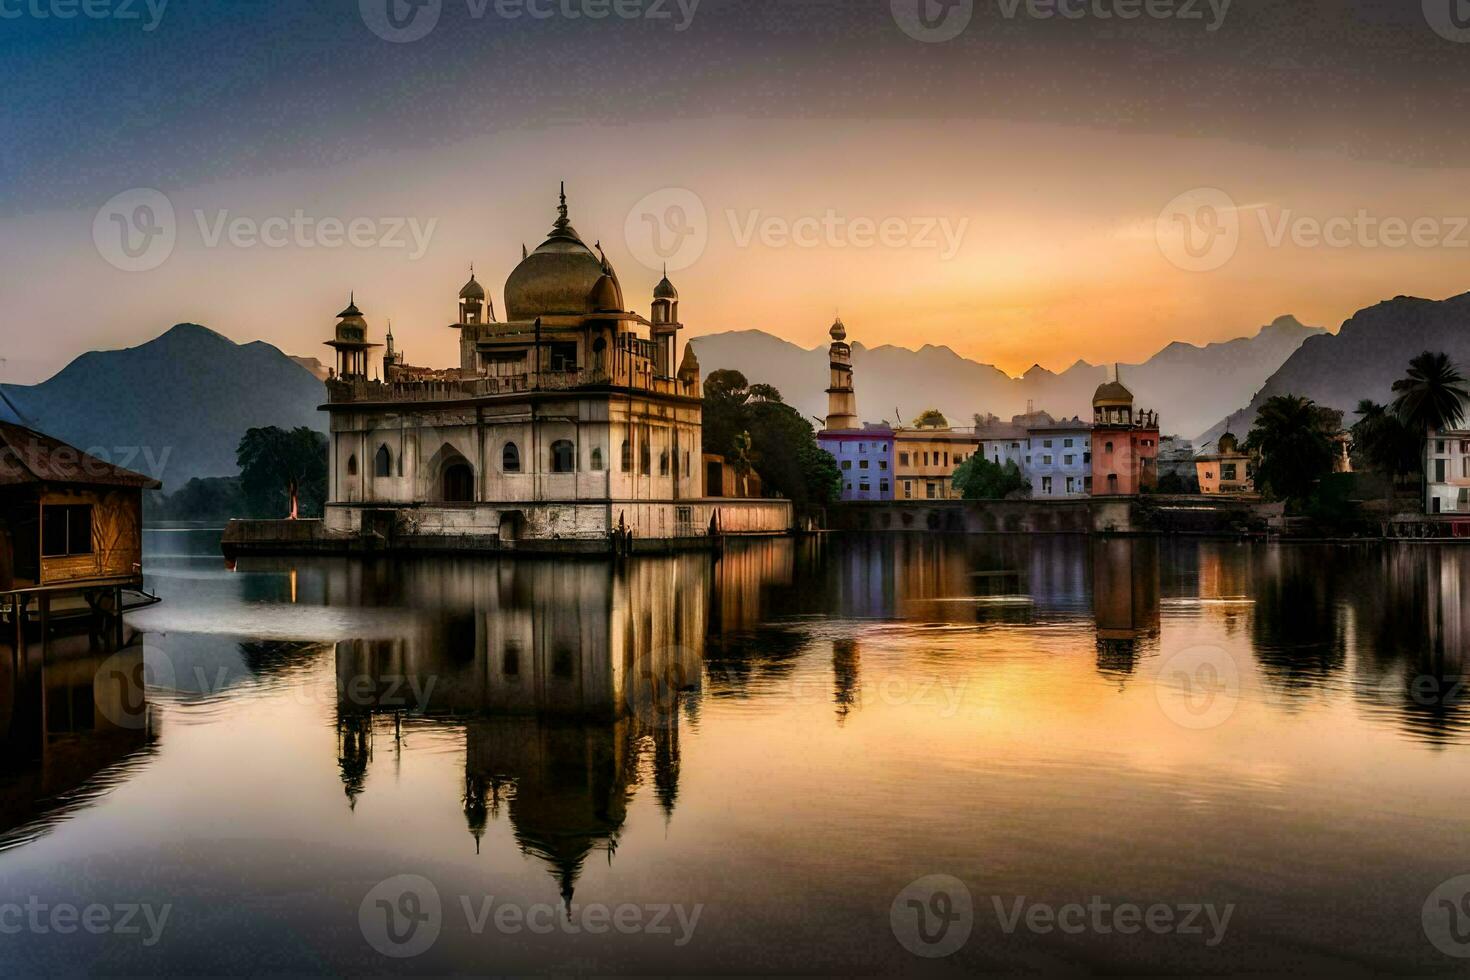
(362, 390)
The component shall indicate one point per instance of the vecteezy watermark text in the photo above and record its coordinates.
(136, 230)
(935, 21)
(1100, 917)
(403, 916)
(64, 919)
(123, 10)
(403, 21)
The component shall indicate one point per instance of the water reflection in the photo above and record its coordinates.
(74, 723)
(567, 679)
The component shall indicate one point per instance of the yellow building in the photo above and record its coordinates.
(1227, 471)
(926, 459)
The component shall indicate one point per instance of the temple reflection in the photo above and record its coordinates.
(1125, 600)
(567, 679)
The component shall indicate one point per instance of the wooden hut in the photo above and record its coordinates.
(70, 523)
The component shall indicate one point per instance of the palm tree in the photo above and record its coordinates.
(1430, 397)
(1293, 446)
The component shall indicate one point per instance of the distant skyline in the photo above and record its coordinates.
(1011, 193)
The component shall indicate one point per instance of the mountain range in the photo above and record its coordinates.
(1365, 357)
(1191, 387)
(173, 408)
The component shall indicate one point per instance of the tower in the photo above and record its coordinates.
(666, 325)
(472, 303)
(841, 399)
(350, 342)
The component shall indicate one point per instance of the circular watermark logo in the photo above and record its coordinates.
(1446, 917)
(400, 21)
(933, 916)
(668, 229)
(135, 231)
(1199, 230)
(401, 916)
(120, 686)
(1198, 687)
(1449, 18)
(933, 21)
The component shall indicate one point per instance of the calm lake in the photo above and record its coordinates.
(842, 755)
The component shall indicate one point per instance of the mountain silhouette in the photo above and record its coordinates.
(173, 408)
(1191, 387)
(1364, 358)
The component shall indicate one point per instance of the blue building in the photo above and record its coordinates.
(1060, 463)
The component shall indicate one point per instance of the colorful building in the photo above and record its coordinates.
(927, 459)
(1125, 443)
(1226, 471)
(1448, 487)
(1059, 463)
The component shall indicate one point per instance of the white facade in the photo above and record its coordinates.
(1059, 462)
(1447, 456)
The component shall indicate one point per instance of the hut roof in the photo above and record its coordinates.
(28, 456)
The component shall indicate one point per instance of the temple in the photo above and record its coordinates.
(573, 424)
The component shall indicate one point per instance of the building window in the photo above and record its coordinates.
(352, 465)
(1227, 471)
(597, 459)
(1046, 444)
(563, 456)
(1046, 461)
(510, 458)
(862, 464)
(1465, 467)
(1107, 447)
(908, 489)
(383, 462)
(883, 484)
(862, 447)
(1067, 460)
(459, 483)
(1046, 485)
(645, 456)
(627, 460)
(1071, 485)
(686, 461)
(564, 356)
(66, 529)
(511, 663)
(930, 490)
(847, 464)
(865, 487)
(882, 464)
(1087, 457)
(1066, 443)
(663, 463)
(903, 459)
(1439, 447)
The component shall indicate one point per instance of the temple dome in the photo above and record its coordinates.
(838, 331)
(472, 290)
(1112, 393)
(606, 296)
(665, 289)
(559, 277)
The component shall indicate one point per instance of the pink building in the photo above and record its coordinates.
(1125, 444)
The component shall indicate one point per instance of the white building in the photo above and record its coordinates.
(570, 425)
(1060, 460)
(1448, 487)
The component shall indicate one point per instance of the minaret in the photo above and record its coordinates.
(472, 303)
(841, 399)
(666, 325)
(350, 341)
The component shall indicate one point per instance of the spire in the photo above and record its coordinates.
(523, 251)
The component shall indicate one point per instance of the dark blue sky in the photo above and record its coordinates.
(229, 88)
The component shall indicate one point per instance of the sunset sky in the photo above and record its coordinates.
(1010, 193)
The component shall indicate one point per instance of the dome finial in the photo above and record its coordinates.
(561, 209)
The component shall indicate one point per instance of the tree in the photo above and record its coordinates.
(980, 479)
(1293, 438)
(931, 418)
(1382, 442)
(751, 427)
(1431, 397)
(283, 473)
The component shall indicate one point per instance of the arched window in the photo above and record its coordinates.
(459, 483)
(510, 458)
(352, 465)
(563, 457)
(627, 456)
(597, 459)
(383, 462)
